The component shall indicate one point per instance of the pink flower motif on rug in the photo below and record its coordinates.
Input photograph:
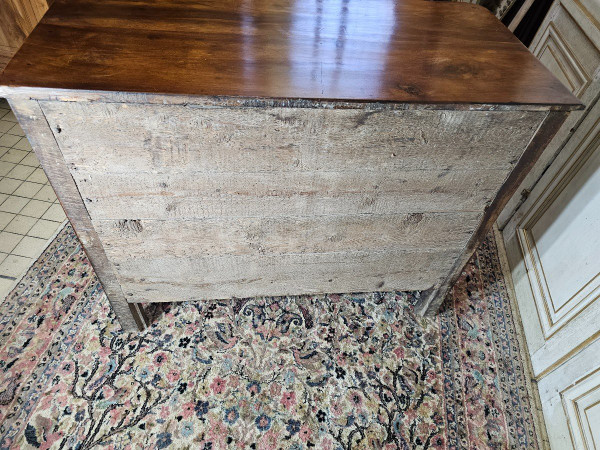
(353, 371)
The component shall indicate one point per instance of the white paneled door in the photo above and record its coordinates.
(551, 231)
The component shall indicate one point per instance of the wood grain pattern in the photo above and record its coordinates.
(189, 162)
(381, 50)
(568, 41)
(429, 304)
(170, 278)
(260, 236)
(6, 53)
(34, 123)
(229, 195)
(17, 19)
(319, 188)
(124, 138)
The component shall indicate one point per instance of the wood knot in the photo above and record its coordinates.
(410, 90)
(414, 218)
(130, 225)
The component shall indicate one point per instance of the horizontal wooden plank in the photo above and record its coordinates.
(147, 98)
(210, 195)
(263, 236)
(176, 279)
(153, 138)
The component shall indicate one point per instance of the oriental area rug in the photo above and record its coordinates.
(352, 371)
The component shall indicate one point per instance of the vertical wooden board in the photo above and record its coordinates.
(161, 138)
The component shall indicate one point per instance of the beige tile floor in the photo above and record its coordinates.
(30, 214)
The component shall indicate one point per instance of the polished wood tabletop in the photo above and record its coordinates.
(397, 51)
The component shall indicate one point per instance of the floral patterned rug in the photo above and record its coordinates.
(355, 371)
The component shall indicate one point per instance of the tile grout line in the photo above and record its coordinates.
(17, 279)
(29, 219)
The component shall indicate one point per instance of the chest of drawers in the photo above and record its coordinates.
(217, 149)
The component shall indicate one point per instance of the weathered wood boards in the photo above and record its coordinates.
(228, 195)
(223, 277)
(192, 202)
(306, 235)
(187, 139)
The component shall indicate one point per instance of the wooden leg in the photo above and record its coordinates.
(131, 316)
(33, 121)
(430, 301)
(139, 317)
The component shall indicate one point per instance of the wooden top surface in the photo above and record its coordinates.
(400, 51)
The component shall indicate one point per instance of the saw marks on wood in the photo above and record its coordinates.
(229, 195)
(197, 278)
(193, 202)
(125, 138)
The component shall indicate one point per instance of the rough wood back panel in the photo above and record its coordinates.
(229, 195)
(193, 202)
(123, 138)
(259, 236)
(199, 278)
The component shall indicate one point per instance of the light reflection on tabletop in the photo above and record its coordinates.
(361, 50)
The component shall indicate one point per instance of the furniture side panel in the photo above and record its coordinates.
(34, 123)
